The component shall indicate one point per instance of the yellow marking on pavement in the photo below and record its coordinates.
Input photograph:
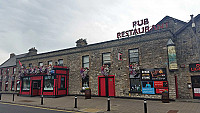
(38, 107)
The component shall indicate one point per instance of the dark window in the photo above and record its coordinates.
(6, 86)
(0, 86)
(18, 85)
(26, 83)
(1, 72)
(50, 63)
(106, 59)
(85, 62)
(40, 64)
(135, 85)
(60, 62)
(12, 86)
(7, 71)
(30, 65)
(62, 84)
(48, 82)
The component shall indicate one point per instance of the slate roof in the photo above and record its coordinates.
(11, 61)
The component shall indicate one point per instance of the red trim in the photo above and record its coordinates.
(176, 85)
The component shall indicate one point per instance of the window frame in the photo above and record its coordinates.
(48, 62)
(133, 57)
(23, 84)
(59, 64)
(6, 85)
(61, 82)
(51, 80)
(17, 85)
(83, 62)
(12, 85)
(103, 60)
(40, 63)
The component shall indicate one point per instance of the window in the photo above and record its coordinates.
(12, 86)
(26, 83)
(6, 86)
(133, 56)
(85, 64)
(106, 59)
(134, 73)
(62, 85)
(14, 70)
(0, 86)
(30, 65)
(18, 85)
(50, 63)
(7, 71)
(40, 64)
(48, 82)
(1, 72)
(60, 62)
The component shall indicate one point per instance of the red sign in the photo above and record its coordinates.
(139, 29)
(159, 91)
(160, 84)
(194, 67)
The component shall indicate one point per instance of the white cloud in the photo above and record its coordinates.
(56, 24)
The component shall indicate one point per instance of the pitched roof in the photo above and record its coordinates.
(11, 61)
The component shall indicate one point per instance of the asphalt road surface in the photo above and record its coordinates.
(17, 108)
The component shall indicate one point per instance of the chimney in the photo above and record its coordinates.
(32, 51)
(12, 55)
(81, 42)
(192, 19)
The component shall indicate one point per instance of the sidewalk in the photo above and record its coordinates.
(99, 104)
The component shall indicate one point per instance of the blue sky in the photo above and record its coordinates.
(51, 25)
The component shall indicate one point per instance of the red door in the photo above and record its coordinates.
(106, 85)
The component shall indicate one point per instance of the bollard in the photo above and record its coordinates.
(13, 97)
(75, 101)
(145, 106)
(42, 100)
(0, 96)
(108, 104)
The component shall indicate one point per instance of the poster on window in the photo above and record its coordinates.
(145, 75)
(160, 84)
(197, 92)
(159, 91)
(148, 87)
(159, 74)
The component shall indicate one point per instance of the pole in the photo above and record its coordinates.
(0, 96)
(145, 106)
(42, 100)
(13, 97)
(108, 104)
(75, 101)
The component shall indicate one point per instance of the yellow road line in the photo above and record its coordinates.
(38, 107)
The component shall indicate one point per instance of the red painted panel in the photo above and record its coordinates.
(197, 94)
(47, 93)
(62, 92)
(111, 86)
(159, 91)
(36, 78)
(61, 72)
(102, 87)
(35, 92)
(25, 93)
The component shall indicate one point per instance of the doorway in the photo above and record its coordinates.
(196, 86)
(36, 87)
(106, 85)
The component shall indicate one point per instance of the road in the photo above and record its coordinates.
(17, 108)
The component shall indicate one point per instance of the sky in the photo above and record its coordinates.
(50, 25)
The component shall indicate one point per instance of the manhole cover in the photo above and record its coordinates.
(26, 101)
(172, 111)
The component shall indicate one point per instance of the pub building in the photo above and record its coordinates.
(137, 64)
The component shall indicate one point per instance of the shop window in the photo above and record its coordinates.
(106, 59)
(135, 85)
(12, 86)
(60, 62)
(48, 82)
(18, 85)
(50, 62)
(7, 71)
(26, 83)
(40, 64)
(6, 86)
(62, 84)
(0, 86)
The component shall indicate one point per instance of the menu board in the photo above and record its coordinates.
(148, 87)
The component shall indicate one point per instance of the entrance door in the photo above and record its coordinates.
(106, 85)
(196, 86)
(36, 85)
